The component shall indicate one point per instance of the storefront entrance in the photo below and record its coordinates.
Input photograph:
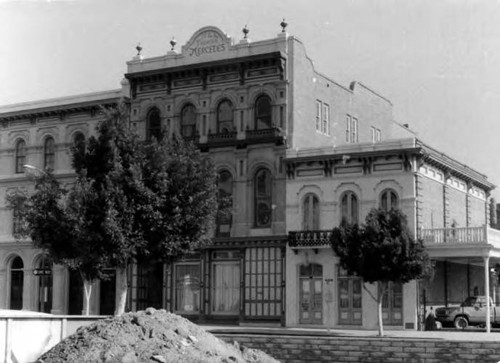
(226, 288)
(350, 309)
(311, 294)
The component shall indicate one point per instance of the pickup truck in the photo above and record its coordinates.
(471, 312)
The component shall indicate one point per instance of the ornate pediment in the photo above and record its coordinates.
(206, 42)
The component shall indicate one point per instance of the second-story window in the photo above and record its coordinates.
(310, 209)
(263, 113)
(376, 134)
(351, 129)
(225, 116)
(349, 208)
(188, 121)
(325, 120)
(263, 198)
(318, 115)
(154, 124)
(79, 142)
(389, 200)
(20, 156)
(49, 154)
(225, 194)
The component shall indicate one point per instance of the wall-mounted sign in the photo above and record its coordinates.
(206, 41)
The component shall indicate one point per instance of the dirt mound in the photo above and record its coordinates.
(148, 336)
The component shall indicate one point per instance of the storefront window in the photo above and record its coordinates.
(187, 288)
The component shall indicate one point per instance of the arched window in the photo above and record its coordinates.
(225, 117)
(48, 154)
(310, 208)
(188, 121)
(263, 113)
(44, 271)
(389, 200)
(349, 208)
(16, 284)
(154, 124)
(263, 198)
(225, 190)
(79, 141)
(20, 156)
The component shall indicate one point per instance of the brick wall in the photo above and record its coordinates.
(295, 349)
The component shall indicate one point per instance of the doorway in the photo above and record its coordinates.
(392, 304)
(16, 284)
(311, 294)
(226, 288)
(350, 308)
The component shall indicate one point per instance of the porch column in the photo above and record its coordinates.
(487, 291)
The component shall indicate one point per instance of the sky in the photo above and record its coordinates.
(438, 61)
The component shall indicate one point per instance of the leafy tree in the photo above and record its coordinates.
(53, 220)
(131, 201)
(381, 251)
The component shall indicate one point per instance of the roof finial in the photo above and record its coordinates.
(139, 49)
(245, 31)
(173, 42)
(283, 24)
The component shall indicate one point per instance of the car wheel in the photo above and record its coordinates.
(461, 322)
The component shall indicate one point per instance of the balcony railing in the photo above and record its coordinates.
(466, 235)
(222, 138)
(311, 239)
(274, 134)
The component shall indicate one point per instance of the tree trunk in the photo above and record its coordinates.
(87, 287)
(380, 296)
(121, 290)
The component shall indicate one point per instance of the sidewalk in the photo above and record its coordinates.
(471, 334)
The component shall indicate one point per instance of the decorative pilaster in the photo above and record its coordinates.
(446, 201)
(468, 206)
(418, 205)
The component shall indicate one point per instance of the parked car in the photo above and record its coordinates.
(471, 312)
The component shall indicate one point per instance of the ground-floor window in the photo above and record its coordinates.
(187, 288)
(350, 290)
(311, 294)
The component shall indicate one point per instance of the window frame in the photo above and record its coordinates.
(221, 122)
(310, 212)
(318, 115)
(192, 122)
(265, 198)
(325, 119)
(350, 212)
(225, 220)
(176, 292)
(49, 154)
(153, 130)
(267, 117)
(20, 156)
(389, 195)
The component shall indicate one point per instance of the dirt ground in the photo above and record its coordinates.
(148, 336)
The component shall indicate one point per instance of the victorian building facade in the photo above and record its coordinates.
(296, 153)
